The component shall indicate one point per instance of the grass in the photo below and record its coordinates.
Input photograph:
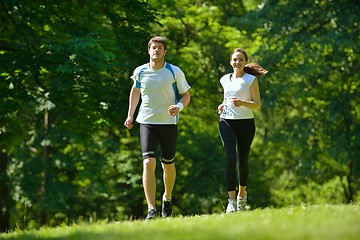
(311, 222)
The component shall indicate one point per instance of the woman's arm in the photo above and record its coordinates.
(255, 94)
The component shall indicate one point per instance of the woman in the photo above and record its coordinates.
(237, 126)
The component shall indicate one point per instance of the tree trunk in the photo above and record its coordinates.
(349, 197)
(4, 194)
(43, 214)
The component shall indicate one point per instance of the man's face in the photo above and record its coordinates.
(156, 51)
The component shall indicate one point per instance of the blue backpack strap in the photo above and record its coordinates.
(137, 79)
(174, 85)
(168, 66)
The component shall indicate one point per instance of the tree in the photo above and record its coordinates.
(63, 68)
(64, 94)
(312, 94)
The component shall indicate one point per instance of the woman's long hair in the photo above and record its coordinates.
(251, 68)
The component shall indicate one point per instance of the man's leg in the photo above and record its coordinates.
(149, 181)
(169, 176)
(168, 138)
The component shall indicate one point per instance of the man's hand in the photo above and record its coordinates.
(173, 110)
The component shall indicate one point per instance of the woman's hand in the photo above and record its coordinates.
(236, 101)
(129, 122)
(220, 108)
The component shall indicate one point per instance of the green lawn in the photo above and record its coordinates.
(311, 222)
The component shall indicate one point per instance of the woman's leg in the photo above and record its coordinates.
(228, 138)
(245, 135)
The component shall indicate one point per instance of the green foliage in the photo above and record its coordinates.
(311, 87)
(65, 87)
(291, 192)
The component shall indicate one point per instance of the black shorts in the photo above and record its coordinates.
(150, 137)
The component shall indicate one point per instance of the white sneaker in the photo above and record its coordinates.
(242, 203)
(231, 207)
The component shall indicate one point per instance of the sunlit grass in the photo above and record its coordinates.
(311, 222)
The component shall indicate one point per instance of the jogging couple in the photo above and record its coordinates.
(164, 93)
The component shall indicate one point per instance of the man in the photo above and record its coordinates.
(164, 93)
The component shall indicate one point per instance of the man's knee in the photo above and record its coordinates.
(169, 168)
(149, 164)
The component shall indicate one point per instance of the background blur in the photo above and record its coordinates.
(65, 67)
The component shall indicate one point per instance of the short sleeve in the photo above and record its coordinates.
(136, 76)
(181, 81)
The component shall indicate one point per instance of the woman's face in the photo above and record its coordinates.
(238, 61)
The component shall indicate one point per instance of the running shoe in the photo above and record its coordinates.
(242, 203)
(151, 214)
(166, 209)
(231, 207)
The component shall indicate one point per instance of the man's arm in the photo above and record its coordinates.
(184, 101)
(134, 99)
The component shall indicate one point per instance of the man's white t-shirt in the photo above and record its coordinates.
(240, 88)
(158, 91)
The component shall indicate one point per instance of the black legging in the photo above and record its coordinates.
(237, 136)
